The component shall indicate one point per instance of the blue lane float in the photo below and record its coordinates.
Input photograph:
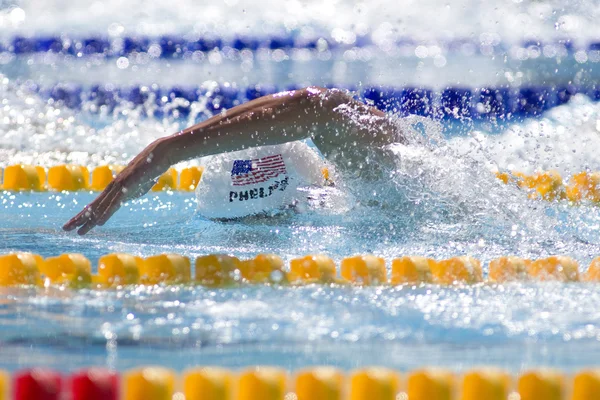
(493, 101)
(535, 100)
(454, 103)
(174, 46)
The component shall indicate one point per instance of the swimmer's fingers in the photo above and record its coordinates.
(113, 206)
(87, 218)
(78, 220)
(107, 204)
(84, 215)
(92, 220)
(86, 227)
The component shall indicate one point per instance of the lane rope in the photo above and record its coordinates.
(312, 383)
(544, 185)
(74, 270)
(182, 47)
(452, 103)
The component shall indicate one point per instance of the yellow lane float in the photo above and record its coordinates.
(24, 177)
(167, 181)
(4, 385)
(74, 270)
(584, 186)
(411, 269)
(555, 268)
(264, 268)
(165, 268)
(586, 385)
(217, 270)
(548, 185)
(149, 383)
(486, 383)
(431, 384)
(541, 384)
(68, 178)
(208, 383)
(119, 269)
(264, 383)
(506, 269)
(463, 269)
(544, 185)
(189, 178)
(323, 383)
(20, 269)
(312, 269)
(364, 270)
(593, 272)
(103, 175)
(374, 383)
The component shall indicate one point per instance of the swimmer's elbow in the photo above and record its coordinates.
(161, 152)
(325, 98)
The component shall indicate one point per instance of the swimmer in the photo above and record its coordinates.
(350, 134)
(261, 180)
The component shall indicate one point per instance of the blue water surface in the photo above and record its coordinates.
(514, 326)
(436, 203)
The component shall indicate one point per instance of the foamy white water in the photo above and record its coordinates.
(566, 139)
(447, 182)
(383, 20)
(34, 131)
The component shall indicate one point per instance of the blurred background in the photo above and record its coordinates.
(423, 43)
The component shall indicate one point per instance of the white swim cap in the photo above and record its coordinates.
(253, 181)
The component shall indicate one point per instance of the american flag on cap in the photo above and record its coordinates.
(248, 172)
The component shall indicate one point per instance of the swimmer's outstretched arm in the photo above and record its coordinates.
(340, 126)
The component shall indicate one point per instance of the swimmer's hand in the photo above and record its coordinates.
(98, 211)
(134, 181)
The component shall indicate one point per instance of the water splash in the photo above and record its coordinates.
(565, 139)
(438, 202)
(385, 21)
(437, 188)
(44, 132)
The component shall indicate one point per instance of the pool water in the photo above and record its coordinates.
(441, 200)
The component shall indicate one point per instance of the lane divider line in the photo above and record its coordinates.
(452, 103)
(116, 270)
(583, 187)
(179, 47)
(313, 383)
